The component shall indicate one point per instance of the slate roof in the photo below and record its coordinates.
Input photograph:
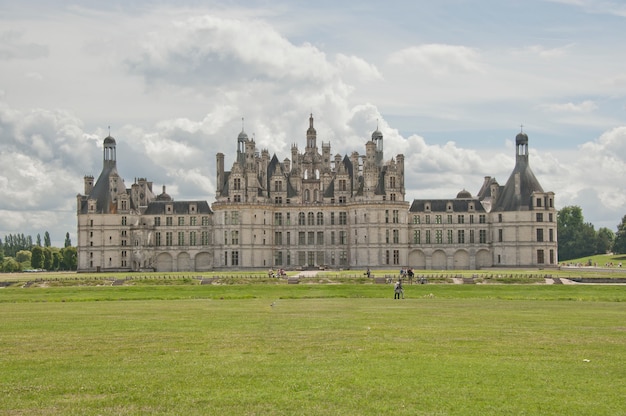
(178, 207)
(516, 194)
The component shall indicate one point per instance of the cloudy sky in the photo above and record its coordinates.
(449, 83)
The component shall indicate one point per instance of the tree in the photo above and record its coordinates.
(619, 244)
(46, 239)
(68, 242)
(576, 238)
(10, 265)
(47, 258)
(36, 260)
(23, 256)
(57, 259)
(70, 258)
(605, 240)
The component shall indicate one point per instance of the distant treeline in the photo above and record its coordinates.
(13, 243)
(18, 253)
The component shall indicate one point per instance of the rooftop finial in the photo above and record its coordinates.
(521, 127)
(109, 131)
(242, 124)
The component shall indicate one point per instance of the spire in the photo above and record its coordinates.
(311, 135)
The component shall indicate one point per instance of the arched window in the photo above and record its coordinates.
(301, 220)
(311, 219)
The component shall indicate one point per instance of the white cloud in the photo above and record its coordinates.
(586, 106)
(438, 59)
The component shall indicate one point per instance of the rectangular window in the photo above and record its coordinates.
(343, 258)
(471, 218)
(288, 239)
(278, 218)
(461, 219)
(396, 236)
(301, 238)
(157, 239)
(438, 236)
(320, 237)
(157, 221)
(124, 220)
(395, 214)
(181, 238)
(500, 236)
(168, 221)
(320, 218)
(204, 236)
(482, 219)
(234, 258)
(386, 216)
(343, 238)
(540, 217)
(540, 258)
(332, 238)
(551, 235)
(234, 237)
(416, 237)
(193, 221)
(278, 238)
(540, 235)
(461, 237)
(205, 221)
(416, 219)
(450, 237)
(343, 218)
(449, 218)
(386, 236)
(396, 257)
(332, 218)
(235, 217)
(181, 220)
(192, 238)
(471, 237)
(310, 238)
(387, 257)
(168, 238)
(278, 258)
(427, 236)
(226, 237)
(289, 218)
(437, 219)
(427, 219)
(482, 235)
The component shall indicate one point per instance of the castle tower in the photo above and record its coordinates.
(311, 136)
(109, 153)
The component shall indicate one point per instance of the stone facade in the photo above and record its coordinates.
(314, 210)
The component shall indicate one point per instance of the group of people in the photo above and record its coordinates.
(278, 273)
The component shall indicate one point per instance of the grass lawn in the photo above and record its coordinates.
(336, 349)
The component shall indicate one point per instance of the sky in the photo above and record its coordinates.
(449, 84)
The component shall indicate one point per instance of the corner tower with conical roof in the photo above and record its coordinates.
(523, 216)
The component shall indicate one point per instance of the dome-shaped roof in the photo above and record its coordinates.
(163, 196)
(242, 136)
(521, 138)
(463, 194)
(377, 135)
(109, 140)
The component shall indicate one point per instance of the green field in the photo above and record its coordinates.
(313, 349)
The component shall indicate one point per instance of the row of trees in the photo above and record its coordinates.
(18, 252)
(578, 238)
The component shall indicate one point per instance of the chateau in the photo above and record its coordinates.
(314, 210)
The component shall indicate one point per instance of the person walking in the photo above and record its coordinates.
(397, 290)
